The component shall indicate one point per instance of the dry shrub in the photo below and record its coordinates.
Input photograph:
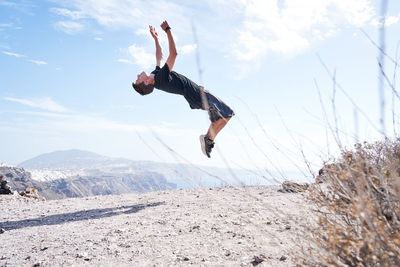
(359, 206)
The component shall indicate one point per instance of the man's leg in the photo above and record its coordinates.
(207, 141)
(216, 127)
(219, 114)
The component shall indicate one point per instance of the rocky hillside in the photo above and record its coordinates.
(80, 186)
(77, 173)
(78, 163)
(19, 179)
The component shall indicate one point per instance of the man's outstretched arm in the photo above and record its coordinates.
(159, 55)
(171, 44)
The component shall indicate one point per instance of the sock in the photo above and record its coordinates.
(209, 139)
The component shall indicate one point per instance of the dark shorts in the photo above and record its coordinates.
(218, 109)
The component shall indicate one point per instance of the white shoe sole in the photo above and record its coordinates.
(203, 145)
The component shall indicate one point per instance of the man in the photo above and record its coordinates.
(167, 80)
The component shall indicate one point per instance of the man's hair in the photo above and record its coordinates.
(142, 88)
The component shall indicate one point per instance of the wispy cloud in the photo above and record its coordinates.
(122, 13)
(38, 62)
(187, 49)
(291, 28)
(66, 123)
(45, 103)
(144, 59)
(16, 55)
(141, 57)
(285, 27)
(6, 25)
(12, 54)
(74, 15)
(389, 21)
(69, 27)
(9, 26)
(22, 6)
(125, 61)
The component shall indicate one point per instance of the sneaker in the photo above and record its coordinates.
(206, 145)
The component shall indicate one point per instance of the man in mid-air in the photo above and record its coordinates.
(167, 80)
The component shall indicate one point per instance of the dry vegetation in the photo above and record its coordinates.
(359, 206)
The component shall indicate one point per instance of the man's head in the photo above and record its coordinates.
(144, 84)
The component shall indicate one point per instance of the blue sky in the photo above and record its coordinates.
(67, 67)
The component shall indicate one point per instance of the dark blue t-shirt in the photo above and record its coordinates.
(175, 83)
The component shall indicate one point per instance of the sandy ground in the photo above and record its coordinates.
(199, 227)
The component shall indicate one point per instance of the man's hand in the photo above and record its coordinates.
(153, 32)
(165, 26)
(171, 44)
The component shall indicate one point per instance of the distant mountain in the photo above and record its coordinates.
(71, 159)
(81, 186)
(72, 165)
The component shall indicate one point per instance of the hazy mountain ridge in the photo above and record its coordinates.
(18, 178)
(78, 173)
(74, 163)
(71, 160)
(81, 186)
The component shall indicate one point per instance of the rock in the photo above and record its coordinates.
(30, 192)
(5, 192)
(257, 260)
(283, 258)
(4, 188)
(2, 231)
(293, 187)
(183, 258)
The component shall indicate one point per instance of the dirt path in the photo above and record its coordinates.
(201, 227)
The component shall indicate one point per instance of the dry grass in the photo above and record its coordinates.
(359, 205)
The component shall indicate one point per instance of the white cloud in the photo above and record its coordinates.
(6, 25)
(125, 61)
(122, 13)
(389, 21)
(291, 27)
(142, 32)
(187, 49)
(146, 60)
(257, 29)
(10, 25)
(12, 54)
(70, 27)
(294, 26)
(41, 103)
(74, 15)
(86, 123)
(141, 57)
(38, 62)
(22, 6)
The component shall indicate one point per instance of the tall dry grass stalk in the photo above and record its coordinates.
(359, 204)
